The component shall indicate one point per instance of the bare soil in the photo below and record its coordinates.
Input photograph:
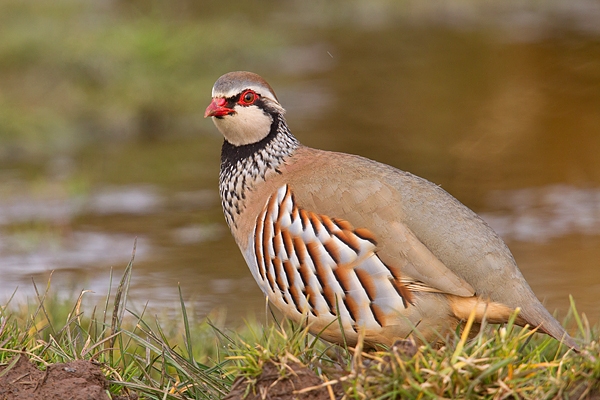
(298, 383)
(77, 380)
(84, 380)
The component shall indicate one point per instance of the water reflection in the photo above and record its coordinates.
(540, 214)
(125, 200)
(78, 250)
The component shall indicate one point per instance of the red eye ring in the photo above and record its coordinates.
(248, 97)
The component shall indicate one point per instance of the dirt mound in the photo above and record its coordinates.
(77, 380)
(298, 383)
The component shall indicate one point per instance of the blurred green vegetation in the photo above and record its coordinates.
(73, 71)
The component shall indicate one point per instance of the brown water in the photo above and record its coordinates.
(504, 117)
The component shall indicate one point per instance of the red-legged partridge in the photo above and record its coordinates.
(331, 236)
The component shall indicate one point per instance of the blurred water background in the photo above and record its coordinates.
(102, 138)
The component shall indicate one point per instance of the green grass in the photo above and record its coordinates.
(505, 362)
(135, 354)
(178, 358)
(509, 362)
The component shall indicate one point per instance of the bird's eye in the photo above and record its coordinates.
(248, 97)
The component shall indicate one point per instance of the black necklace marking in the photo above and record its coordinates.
(242, 166)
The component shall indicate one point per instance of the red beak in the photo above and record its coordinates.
(217, 108)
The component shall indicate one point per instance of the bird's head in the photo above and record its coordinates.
(243, 107)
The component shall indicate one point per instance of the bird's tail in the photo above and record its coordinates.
(539, 317)
(497, 313)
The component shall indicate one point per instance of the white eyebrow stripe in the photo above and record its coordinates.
(261, 90)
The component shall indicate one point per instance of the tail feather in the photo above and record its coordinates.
(497, 313)
(539, 317)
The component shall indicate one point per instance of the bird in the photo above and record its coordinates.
(356, 249)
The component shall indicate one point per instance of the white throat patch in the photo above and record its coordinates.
(248, 125)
